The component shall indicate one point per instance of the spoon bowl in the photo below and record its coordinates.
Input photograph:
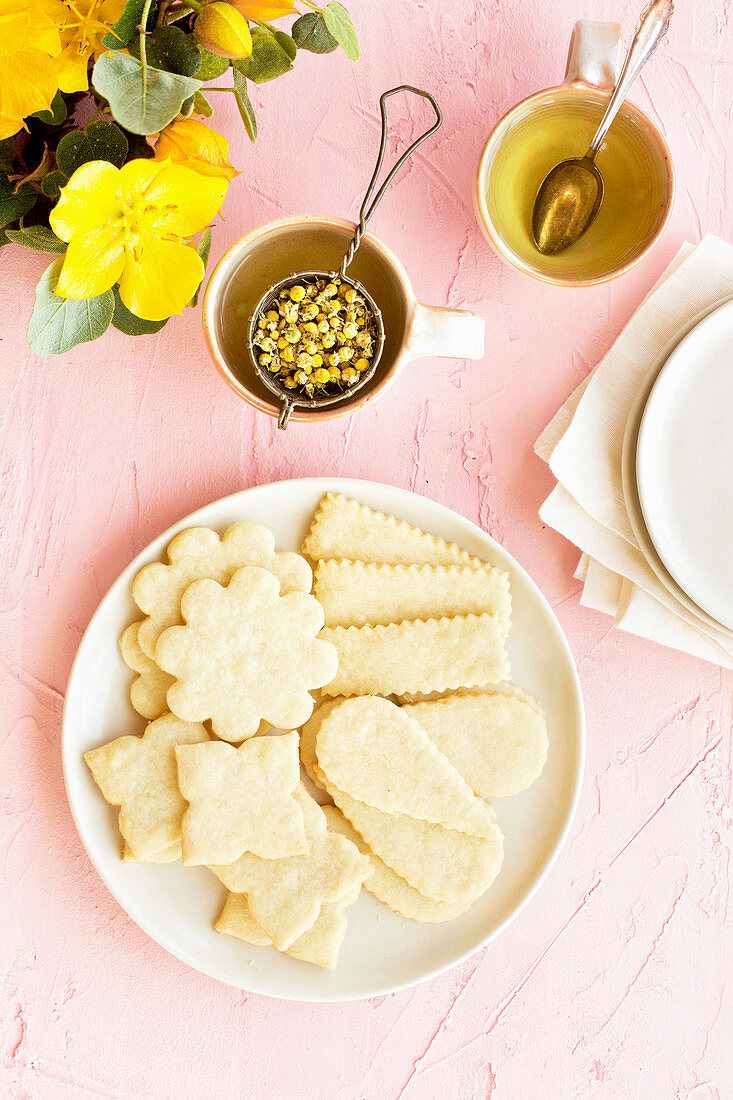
(567, 204)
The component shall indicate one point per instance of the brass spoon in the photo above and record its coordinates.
(571, 194)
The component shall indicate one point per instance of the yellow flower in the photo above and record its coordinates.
(196, 145)
(221, 28)
(82, 24)
(29, 40)
(264, 9)
(132, 224)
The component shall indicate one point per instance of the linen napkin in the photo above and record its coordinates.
(583, 446)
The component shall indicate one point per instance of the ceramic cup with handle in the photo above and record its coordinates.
(558, 123)
(269, 253)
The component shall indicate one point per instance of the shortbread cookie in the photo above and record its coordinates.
(388, 887)
(497, 741)
(439, 863)
(138, 774)
(285, 896)
(308, 735)
(241, 800)
(343, 528)
(247, 653)
(435, 655)
(376, 753)
(167, 855)
(319, 945)
(199, 553)
(356, 593)
(148, 691)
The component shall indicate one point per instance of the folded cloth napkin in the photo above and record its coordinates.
(583, 446)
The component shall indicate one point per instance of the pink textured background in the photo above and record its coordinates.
(615, 981)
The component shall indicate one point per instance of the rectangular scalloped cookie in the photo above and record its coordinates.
(357, 593)
(344, 528)
(419, 656)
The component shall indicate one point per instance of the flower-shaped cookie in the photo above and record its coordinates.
(148, 690)
(247, 653)
(198, 553)
(139, 775)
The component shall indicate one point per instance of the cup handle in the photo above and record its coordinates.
(445, 333)
(595, 54)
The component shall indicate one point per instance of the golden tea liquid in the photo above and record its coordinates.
(635, 173)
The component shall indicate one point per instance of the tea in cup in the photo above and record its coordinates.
(557, 124)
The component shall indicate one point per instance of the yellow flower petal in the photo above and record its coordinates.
(90, 198)
(264, 9)
(92, 263)
(196, 145)
(184, 202)
(137, 175)
(224, 29)
(72, 68)
(28, 83)
(160, 277)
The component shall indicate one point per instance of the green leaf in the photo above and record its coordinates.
(102, 140)
(288, 44)
(311, 33)
(203, 248)
(142, 110)
(52, 183)
(246, 109)
(59, 324)
(56, 114)
(73, 150)
(340, 26)
(126, 26)
(7, 154)
(201, 105)
(268, 61)
(15, 206)
(107, 142)
(151, 54)
(176, 50)
(39, 238)
(130, 323)
(211, 65)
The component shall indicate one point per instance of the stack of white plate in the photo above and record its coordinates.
(678, 467)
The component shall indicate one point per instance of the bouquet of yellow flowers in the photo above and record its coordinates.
(125, 201)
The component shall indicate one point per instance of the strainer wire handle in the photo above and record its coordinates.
(368, 205)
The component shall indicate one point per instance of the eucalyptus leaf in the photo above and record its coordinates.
(244, 104)
(126, 26)
(203, 248)
(311, 33)
(201, 105)
(14, 206)
(56, 114)
(188, 105)
(39, 238)
(177, 51)
(143, 106)
(339, 24)
(268, 61)
(130, 323)
(211, 65)
(59, 324)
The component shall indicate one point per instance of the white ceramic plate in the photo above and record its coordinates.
(628, 476)
(175, 905)
(684, 459)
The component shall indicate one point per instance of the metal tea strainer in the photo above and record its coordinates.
(287, 397)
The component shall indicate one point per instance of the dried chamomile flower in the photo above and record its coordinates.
(311, 331)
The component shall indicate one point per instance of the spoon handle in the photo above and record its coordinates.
(652, 27)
